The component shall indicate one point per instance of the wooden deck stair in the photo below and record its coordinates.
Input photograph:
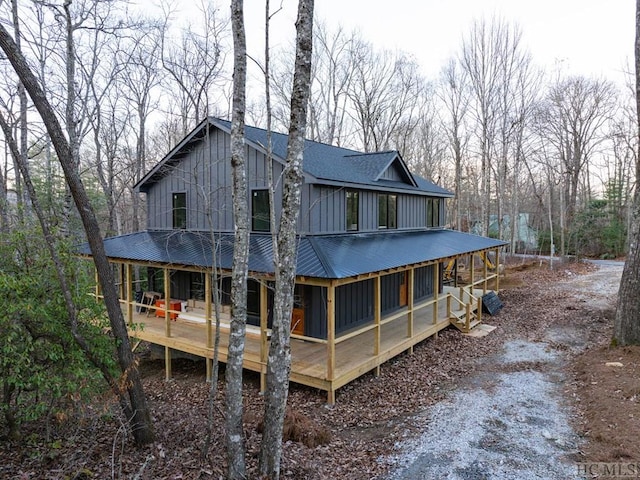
(459, 320)
(465, 310)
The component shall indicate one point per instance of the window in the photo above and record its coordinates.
(433, 212)
(387, 211)
(260, 211)
(179, 211)
(352, 210)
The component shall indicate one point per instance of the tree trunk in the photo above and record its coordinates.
(240, 267)
(136, 411)
(279, 362)
(627, 322)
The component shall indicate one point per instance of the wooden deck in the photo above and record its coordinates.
(354, 353)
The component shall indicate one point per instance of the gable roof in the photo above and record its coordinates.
(326, 256)
(322, 163)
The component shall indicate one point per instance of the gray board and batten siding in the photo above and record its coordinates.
(201, 170)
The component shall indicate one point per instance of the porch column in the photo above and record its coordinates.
(497, 269)
(331, 340)
(167, 297)
(376, 319)
(486, 271)
(264, 347)
(167, 323)
(123, 293)
(130, 298)
(97, 280)
(472, 272)
(207, 306)
(436, 288)
(410, 306)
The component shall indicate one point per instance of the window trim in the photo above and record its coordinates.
(253, 209)
(175, 210)
(354, 196)
(433, 212)
(386, 197)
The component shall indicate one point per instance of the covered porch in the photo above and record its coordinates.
(361, 299)
(335, 358)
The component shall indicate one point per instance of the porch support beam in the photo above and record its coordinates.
(436, 288)
(331, 341)
(264, 347)
(497, 269)
(207, 313)
(485, 256)
(167, 303)
(472, 271)
(123, 293)
(377, 316)
(207, 306)
(167, 363)
(409, 274)
(95, 276)
(130, 298)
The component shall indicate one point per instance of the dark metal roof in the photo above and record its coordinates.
(325, 163)
(323, 256)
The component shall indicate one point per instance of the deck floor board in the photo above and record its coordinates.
(353, 357)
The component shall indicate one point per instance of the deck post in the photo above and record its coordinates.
(436, 289)
(264, 348)
(331, 339)
(207, 314)
(167, 303)
(467, 327)
(97, 280)
(497, 270)
(167, 363)
(123, 293)
(410, 306)
(130, 299)
(207, 306)
(472, 272)
(377, 316)
(486, 271)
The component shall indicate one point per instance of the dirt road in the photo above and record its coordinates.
(511, 417)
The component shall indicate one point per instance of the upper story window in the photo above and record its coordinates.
(179, 210)
(352, 210)
(433, 212)
(387, 211)
(260, 211)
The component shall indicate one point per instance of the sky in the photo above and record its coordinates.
(587, 37)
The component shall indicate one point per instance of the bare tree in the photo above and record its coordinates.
(384, 94)
(572, 120)
(627, 322)
(240, 267)
(454, 94)
(194, 63)
(135, 409)
(279, 360)
(330, 81)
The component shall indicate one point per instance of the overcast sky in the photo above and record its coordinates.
(589, 37)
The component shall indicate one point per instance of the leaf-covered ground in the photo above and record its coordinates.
(370, 415)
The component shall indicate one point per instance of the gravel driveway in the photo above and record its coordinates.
(509, 419)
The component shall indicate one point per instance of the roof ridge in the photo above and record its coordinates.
(362, 154)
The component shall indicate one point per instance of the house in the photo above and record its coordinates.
(526, 237)
(371, 250)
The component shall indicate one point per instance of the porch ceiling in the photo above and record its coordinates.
(325, 256)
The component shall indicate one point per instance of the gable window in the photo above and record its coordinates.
(260, 211)
(387, 211)
(352, 210)
(179, 211)
(433, 212)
